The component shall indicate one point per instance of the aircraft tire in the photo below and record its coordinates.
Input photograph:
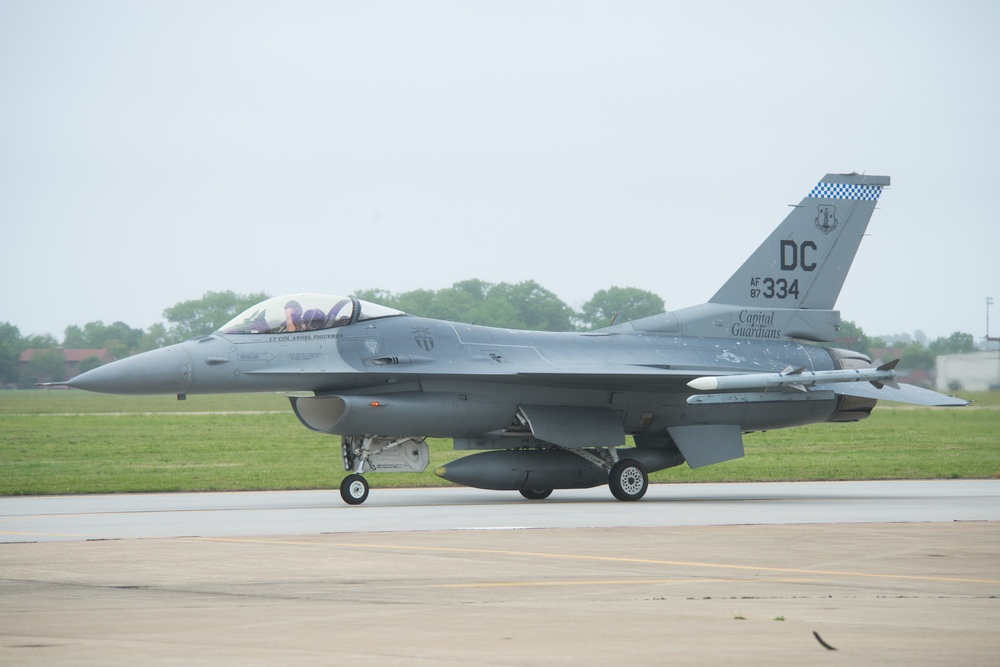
(628, 480)
(354, 489)
(536, 494)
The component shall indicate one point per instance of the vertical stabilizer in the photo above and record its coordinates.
(804, 262)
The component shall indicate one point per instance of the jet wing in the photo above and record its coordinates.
(611, 376)
(638, 377)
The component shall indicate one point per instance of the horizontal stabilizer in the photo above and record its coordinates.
(900, 393)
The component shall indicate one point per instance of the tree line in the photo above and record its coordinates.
(913, 355)
(523, 305)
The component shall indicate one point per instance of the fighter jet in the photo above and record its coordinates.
(546, 410)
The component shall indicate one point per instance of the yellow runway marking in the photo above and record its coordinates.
(614, 559)
(86, 537)
(617, 582)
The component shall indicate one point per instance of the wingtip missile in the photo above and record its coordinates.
(798, 378)
(704, 383)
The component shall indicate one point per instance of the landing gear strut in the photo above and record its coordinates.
(627, 478)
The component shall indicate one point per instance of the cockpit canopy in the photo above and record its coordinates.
(304, 312)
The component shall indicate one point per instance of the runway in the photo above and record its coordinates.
(108, 517)
(883, 572)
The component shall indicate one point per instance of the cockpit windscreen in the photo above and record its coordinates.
(304, 312)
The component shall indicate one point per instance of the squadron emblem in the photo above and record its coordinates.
(826, 218)
(424, 339)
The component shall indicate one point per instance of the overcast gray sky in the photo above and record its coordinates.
(150, 152)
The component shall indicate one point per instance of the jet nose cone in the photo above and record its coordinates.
(163, 371)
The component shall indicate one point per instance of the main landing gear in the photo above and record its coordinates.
(628, 480)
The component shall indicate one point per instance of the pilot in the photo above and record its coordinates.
(313, 319)
(293, 317)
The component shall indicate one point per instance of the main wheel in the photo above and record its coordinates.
(628, 480)
(536, 494)
(354, 489)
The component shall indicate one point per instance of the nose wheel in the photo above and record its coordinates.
(354, 489)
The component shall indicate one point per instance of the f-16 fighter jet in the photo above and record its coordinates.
(547, 410)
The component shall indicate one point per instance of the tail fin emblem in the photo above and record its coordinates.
(826, 218)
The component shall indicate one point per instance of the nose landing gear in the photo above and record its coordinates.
(373, 453)
(354, 489)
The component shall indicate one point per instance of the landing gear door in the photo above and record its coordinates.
(571, 426)
(385, 454)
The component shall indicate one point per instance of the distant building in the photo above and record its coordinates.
(71, 359)
(978, 371)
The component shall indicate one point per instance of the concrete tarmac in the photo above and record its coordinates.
(879, 593)
(71, 518)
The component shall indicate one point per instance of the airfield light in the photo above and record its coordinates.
(989, 302)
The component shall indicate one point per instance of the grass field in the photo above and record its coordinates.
(63, 442)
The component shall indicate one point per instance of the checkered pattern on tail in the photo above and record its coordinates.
(846, 191)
